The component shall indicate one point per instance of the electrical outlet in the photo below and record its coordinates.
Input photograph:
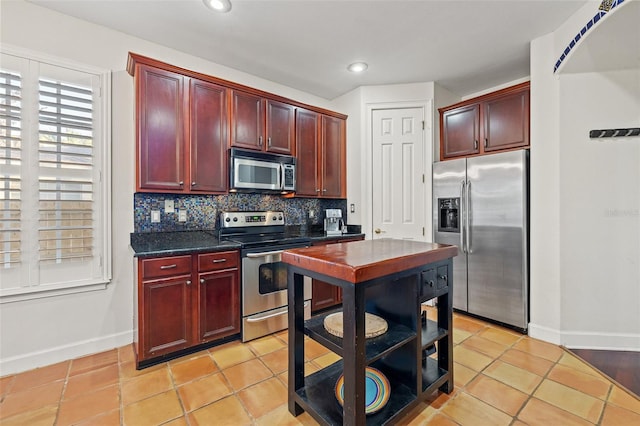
(312, 214)
(155, 216)
(182, 216)
(169, 206)
(353, 208)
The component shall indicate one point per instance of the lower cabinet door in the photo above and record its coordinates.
(219, 299)
(167, 316)
(324, 295)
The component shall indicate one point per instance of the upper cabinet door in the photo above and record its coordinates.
(247, 125)
(160, 112)
(506, 122)
(333, 157)
(280, 128)
(460, 129)
(209, 137)
(307, 150)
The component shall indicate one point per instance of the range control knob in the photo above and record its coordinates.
(228, 219)
(235, 219)
(280, 218)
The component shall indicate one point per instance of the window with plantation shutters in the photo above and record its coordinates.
(10, 160)
(54, 153)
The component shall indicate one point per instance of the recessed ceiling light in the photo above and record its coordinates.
(358, 67)
(218, 5)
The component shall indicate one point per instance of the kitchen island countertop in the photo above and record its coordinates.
(360, 261)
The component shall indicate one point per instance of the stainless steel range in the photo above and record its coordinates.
(264, 276)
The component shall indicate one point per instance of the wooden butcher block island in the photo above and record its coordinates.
(382, 378)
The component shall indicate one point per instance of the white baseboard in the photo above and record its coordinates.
(601, 341)
(544, 333)
(586, 340)
(20, 363)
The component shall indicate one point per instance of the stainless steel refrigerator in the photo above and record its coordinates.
(481, 205)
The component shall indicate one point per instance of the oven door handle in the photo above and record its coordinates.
(284, 311)
(264, 254)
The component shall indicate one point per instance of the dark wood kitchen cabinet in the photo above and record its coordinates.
(492, 122)
(164, 305)
(182, 127)
(324, 295)
(160, 110)
(208, 123)
(308, 149)
(262, 124)
(321, 155)
(218, 295)
(184, 302)
(186, 121)
(334, 157)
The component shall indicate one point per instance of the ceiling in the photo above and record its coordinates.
(465, 46)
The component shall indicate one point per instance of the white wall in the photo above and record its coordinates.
(358, 104)
(585, 198)
(48, 330)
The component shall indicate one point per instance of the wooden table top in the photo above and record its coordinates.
(360, 261)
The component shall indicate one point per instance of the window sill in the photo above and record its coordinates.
(40, 292)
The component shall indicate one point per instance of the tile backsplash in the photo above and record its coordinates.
(203, 210)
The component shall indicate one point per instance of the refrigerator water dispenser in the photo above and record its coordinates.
(448, 217)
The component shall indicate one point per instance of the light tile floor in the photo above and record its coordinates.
(501, 378)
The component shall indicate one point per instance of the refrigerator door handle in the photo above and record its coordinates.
(468, 216)
(462, 211)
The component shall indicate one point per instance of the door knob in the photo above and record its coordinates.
(378, 231)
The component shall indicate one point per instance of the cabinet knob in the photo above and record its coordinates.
(181, 183)
(201, 280)
(260, 140)
(269, 141)
(431, 283)
(317, 190)
(188, 282)
(443, 277)
(486, 142)
(324, 190)
(475, 144)
(193, 183)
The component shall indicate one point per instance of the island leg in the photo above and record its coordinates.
(296, 338)
(445, 320)
(354, 355)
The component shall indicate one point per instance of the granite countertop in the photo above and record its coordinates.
(152, 244)
(147, 244)
(317, 234)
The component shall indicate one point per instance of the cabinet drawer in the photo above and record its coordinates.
(428, 284)
(219, 260)
(443, 277)
(166, 266)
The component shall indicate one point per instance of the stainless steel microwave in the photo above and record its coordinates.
(255, 171)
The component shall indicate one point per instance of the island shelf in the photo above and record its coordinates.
(388, 278)
(376, 347)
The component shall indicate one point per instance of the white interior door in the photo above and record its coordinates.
(398, 198)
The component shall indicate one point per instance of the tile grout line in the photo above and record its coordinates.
(175, 390)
